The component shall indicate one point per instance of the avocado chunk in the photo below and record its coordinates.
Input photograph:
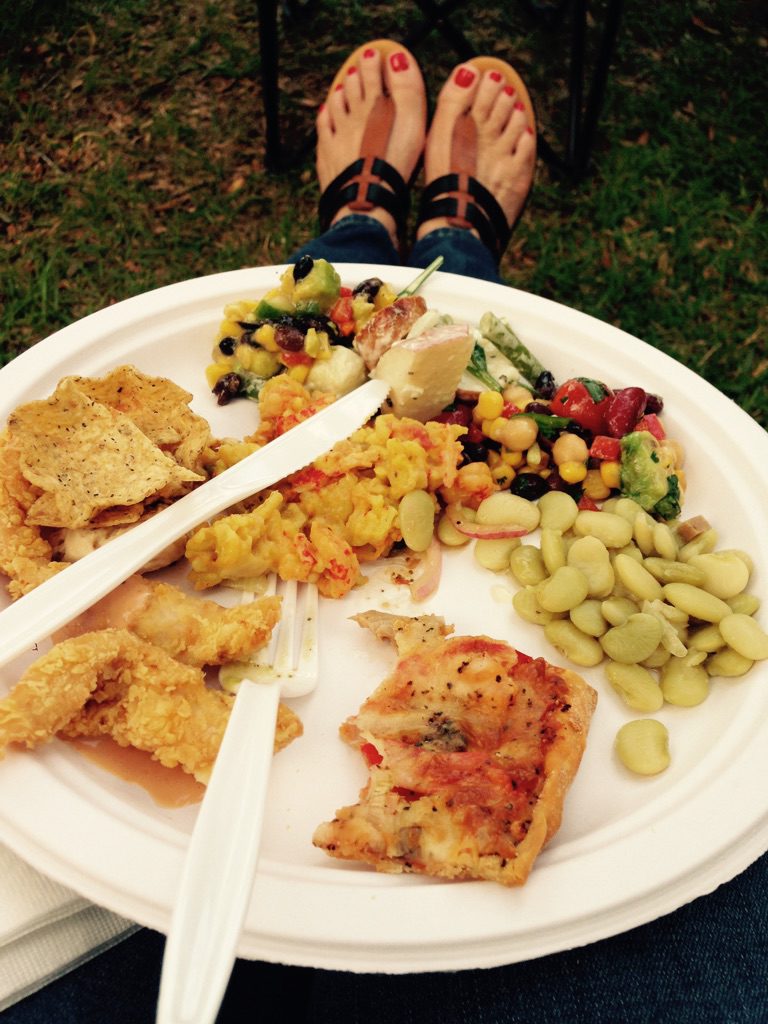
(275, 304)
(645, 478)
(317, 291)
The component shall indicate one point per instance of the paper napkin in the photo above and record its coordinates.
(46, 929)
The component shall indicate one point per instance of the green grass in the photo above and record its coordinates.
(132, 156)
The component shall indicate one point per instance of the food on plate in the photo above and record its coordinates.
(303, 329)
(95, 457)
(321, 522)
(471, 747)
(190, 629)
(111, 683)
(88, 461)
(532, 434)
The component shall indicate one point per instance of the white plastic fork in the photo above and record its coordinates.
(221, 860)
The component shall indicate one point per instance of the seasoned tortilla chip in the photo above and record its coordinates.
(158, 407)
(86, 457)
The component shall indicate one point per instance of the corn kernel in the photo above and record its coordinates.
(298, 372)
(513, 459)
(610, 473)
(492, 427)
(573, 472)
(594, 485)
(489, 405)
(215, 371)
(265, 336)
(503, 474)
(493, 458)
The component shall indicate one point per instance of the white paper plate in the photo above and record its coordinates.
(630, 849)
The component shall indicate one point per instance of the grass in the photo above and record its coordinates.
(133, 156)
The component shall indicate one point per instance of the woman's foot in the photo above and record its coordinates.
(376, 107)
(483, 128)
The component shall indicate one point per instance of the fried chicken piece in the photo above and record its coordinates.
(112, 683)
(192, 630)
(408, 633)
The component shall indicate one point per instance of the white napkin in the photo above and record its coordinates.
(46, 929)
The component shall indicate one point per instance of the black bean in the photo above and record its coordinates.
(473, 452)
(369, 288)
(545, 385)
(302, 267)
(227, 345)
(540, 407)
(583, 432)
(529, 486)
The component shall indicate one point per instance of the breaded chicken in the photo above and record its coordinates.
(190, 629)
(112, 683)
(471, 747)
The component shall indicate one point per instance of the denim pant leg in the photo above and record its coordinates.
(462, 253)
(358, 238)
(354, 239)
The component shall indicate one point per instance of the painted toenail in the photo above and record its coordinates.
(464, 77)
(339, 86)
(398, 61)
(509, 90)
(352, 71)
(519, 105)
(495, 76)
(370, 52)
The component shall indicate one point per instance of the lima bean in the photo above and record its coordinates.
(744, 635)
(643, 746)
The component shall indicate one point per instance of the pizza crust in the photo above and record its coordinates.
(471, 749)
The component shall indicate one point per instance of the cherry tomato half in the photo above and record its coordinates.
(583, 400)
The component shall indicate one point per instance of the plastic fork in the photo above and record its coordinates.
(221, 860)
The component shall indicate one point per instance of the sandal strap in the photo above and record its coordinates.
(467, 204)
(365, 184)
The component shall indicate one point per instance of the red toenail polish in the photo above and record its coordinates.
(495, 76)
(464, 77)
(339, 86)
(509, 90)
(352, 71)
(519, 105)
(370, 52)
(529, 130)
(398, 61)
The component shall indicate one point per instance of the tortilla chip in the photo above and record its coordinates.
(158, 407)
(86, 457)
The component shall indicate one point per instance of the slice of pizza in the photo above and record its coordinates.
(471, 747)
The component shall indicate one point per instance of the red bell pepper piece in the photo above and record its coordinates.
(342, 314)
(606, 448)
(371, 754)
(652, 424)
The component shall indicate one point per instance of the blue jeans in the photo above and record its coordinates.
(362, 239)
(705, 964)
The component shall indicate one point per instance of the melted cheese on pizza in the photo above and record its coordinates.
(470, 747)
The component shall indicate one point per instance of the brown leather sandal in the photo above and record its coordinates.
(370, 181)
(459, 197)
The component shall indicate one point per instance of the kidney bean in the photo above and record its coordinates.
(624, 410)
